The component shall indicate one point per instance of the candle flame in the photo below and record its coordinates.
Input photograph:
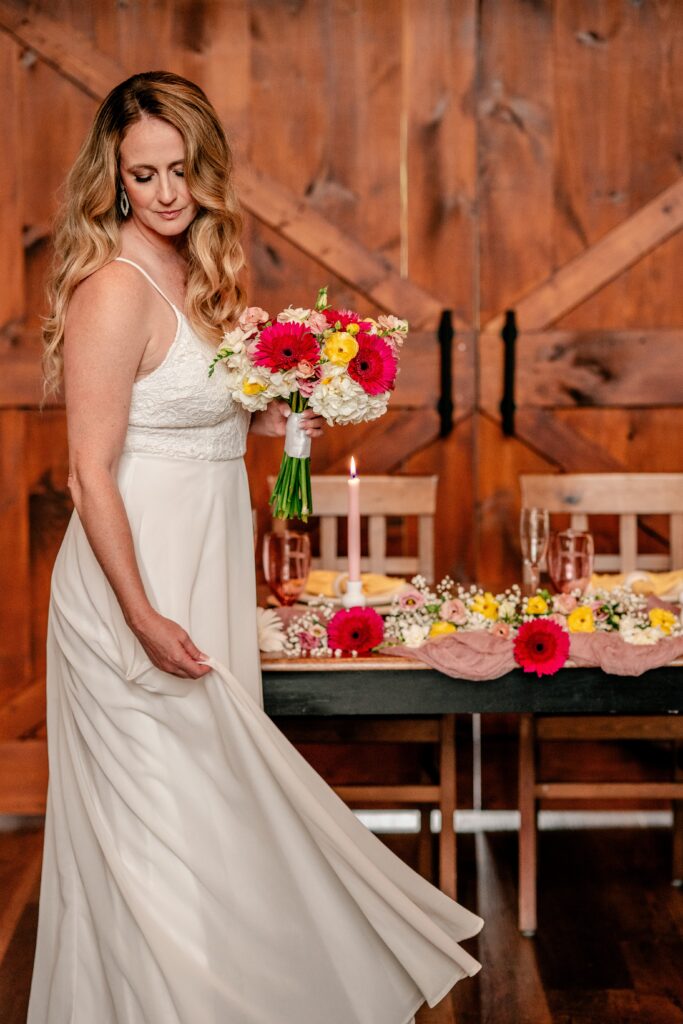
(353, 467)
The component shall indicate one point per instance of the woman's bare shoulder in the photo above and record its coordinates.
(115, 297)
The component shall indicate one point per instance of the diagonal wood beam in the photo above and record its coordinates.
(67, 52)
(619, 249)
(72, 55)
(366, 271)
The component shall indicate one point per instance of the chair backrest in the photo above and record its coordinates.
(381, 497)
(626, 495)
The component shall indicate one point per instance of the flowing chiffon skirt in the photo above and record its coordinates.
(196, 869)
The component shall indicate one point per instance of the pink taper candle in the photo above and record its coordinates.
(353, 543)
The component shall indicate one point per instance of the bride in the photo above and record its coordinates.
(196, 869)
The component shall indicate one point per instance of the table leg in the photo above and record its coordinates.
(527, 826)
(677, 872)
(447, 783)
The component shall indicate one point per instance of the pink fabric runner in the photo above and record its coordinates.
(480, 655)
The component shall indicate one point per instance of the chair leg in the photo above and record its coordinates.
(527, 826)
(447, 784)
(424, 846)
(677, 866)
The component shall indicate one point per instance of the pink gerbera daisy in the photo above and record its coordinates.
(374, 365)
(541, 646)
(345, 317)
(284, 346)
(355, 629)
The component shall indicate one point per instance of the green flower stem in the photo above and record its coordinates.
(291, 497)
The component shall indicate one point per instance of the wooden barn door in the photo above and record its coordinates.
(581, 205)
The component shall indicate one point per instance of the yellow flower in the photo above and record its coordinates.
(352, 329)
(660, 618)
(485, 604)
(253, 387)
(340, 347)
(581, 621)
(441, 629)
(536, 605)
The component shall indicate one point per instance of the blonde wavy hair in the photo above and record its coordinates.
(86, 232)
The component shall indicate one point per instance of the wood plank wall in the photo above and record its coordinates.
(478, 155)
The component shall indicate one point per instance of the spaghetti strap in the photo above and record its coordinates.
(123, 259)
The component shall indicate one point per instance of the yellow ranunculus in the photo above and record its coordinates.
(485, 604)
(441, 629)
(352, 329)
(340, 348)
(662, 619)
(536, 605)
(581, 621)
(253, 387)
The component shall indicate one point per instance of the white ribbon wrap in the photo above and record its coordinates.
(297, 443)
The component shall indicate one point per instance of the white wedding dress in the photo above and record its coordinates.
(196, 869)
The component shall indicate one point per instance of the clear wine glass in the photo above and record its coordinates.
(286, 564)
(570, 560)
(534, 531)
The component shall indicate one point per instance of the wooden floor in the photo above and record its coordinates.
(609, 948)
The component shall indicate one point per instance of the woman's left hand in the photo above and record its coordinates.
(273, 420)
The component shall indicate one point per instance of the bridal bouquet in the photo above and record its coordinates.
(340, 364)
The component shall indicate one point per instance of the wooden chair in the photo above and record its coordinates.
(628, 496)
(383, 498)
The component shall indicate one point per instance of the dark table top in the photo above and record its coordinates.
(395, 686)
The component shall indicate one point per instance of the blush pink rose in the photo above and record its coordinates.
(564, 603)
(317, 321)
(252, 316)
(454, 610)
(500, 629)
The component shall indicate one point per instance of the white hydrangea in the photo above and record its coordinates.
(340, 399)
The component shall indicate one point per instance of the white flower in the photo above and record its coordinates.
(339, 399)
(237, 335)
(627, 623)
(643, 637)
(415, 635)
(271, 634)
(292, 315)
(506, 609)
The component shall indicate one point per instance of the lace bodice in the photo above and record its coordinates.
(179, 411)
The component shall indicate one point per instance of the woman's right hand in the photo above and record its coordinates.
(169, 647)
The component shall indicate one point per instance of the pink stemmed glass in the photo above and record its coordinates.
(286, 564)
(570, 560)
